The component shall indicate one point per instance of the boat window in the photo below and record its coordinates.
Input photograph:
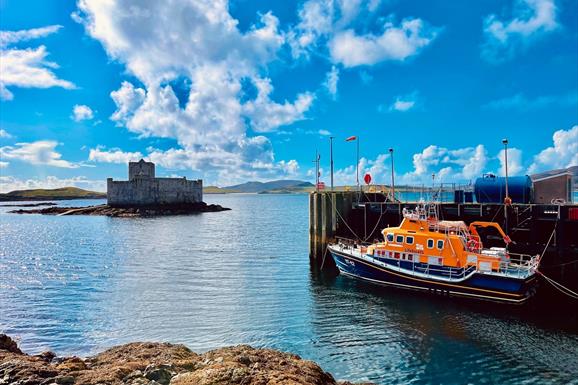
(396, 255)
(440, 244)
(409, 240)
(409, 257)
(430, 243)
(389, 237)
(399, 238)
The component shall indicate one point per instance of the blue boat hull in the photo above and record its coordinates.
(479, 285)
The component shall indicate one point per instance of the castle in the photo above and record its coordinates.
(144, 189)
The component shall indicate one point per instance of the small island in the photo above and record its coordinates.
(142, 195)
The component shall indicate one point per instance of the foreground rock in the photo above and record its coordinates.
(143, 211)
(161, 364)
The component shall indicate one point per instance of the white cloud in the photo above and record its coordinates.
(112, 156)
(81, 112)
(331, 80)
(4, 134)
(515, 166)
(27, 68)
(531, 18)
(564, 152)
(521, 102)
(41, 152)
(378, 168)
(395, 43)
(11, 183)
(449, 165)
(10, 37)
(267, 115)
(4, 164)
(402, 105)
(163, 43)
(324, 132)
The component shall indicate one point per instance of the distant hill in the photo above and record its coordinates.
(217, 190)
(272, 186)
(51, 194)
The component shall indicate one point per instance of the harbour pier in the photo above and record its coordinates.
(548, 229)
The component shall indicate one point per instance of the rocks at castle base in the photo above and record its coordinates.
(162, 364)
(141, 211)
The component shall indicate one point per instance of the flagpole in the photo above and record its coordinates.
(357, 165)
(331, 162)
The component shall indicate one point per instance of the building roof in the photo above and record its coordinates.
(568, 173)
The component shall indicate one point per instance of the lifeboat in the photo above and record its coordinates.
(442, 257)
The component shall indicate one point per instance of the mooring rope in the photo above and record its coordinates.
(558, 286)
(343, 219)
(324, 254)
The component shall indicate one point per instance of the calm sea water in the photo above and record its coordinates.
(80, 284)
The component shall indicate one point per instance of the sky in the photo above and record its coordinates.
(239, 90)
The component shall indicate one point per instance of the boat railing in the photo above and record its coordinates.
(519, 264)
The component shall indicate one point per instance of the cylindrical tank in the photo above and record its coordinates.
(492, 189)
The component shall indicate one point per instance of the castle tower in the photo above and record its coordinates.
(141, 169)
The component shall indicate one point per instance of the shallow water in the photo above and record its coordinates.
(79, 284)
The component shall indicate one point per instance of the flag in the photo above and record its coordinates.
(351, 138)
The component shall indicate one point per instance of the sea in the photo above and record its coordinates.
(77, 285)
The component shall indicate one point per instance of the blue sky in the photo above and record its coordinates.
(248, 90)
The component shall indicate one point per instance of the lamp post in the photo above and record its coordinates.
(507, 200)
(505, 142)
(392, 176)
(331, 156)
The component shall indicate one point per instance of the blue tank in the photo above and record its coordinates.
(492, 189)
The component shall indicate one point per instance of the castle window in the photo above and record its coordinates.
(409, 240)
(430, 243)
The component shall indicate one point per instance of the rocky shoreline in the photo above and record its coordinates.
(140, 211)
(148, 363)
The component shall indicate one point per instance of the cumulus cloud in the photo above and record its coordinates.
(81, 112)
(4, 134)
(449, 165)
(27, 68)
(395, 43)
(515, 166)
(11, 183)
(530, 19)
(41, 152)
(162, 43)
(563, 153)
(267, 115)
(114, 155)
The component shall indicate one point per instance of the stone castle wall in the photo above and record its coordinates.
(153, 191)
(144, 189)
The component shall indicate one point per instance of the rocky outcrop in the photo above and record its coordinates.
(140, 211)
(161, 364)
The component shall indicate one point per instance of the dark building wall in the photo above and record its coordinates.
(557, 187)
